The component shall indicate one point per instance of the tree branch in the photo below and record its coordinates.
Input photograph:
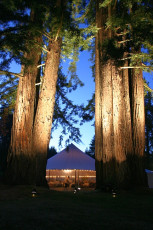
(128, 40)
(136, 67)
(4, 72)
(7, 89)
(38, 83)
(40, 65)
(44, 49)
(47, 35)
(147, 87)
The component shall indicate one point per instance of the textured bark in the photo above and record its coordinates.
(113, 133)
(127, 113)
(138, 125)
(119, 127)
(103, 107)
(20, 163)
(45, 110)
(127, 134)
(98, 119)
(137, 117)
(107, 124)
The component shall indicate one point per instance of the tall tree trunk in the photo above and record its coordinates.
(20, 163)
(137, 117)
(98, 118)
(113, 133)
(20, 168)
(138, 125)
(128, 124)
(103, 107)
(45, 110)
(119, 127)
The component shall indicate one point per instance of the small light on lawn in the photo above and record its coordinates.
(113, 194)
(34, 192)
(76, 190)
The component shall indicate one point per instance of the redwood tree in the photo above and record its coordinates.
(119, 96)
(65, 29)
(110, 153)
(138, 126)
(31, 131)
(45, 110)
(20, 164)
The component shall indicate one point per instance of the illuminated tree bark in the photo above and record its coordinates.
(119, 115)
(127, 134)
(127, 113)
(104, 141)
(32, 125)
(119, 127)
(112, 112)
(45, 110)
(20, 167)
(137, 110)
(20, 163)
(138, 126)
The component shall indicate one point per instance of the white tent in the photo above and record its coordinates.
(69, 167)
(71, 158)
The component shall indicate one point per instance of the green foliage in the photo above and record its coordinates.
(66, 113)
(105, 3)
(111, 50)
(89, 111)
(25, 21)
(79, 38)
(18, 31)
(20, 26)
(91, 150)
(51, 152)
(131, 22)
(8, 86)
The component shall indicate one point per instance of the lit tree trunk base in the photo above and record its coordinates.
(99, 175)
(111, 175)
(105, 175)
(21, 171)
(136, 176)
(26, 170)
(41, 161)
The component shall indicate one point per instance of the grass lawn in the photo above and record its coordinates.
(87, 210)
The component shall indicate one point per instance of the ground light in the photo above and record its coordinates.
(34, 192)
(76, 190)
(114, 194)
